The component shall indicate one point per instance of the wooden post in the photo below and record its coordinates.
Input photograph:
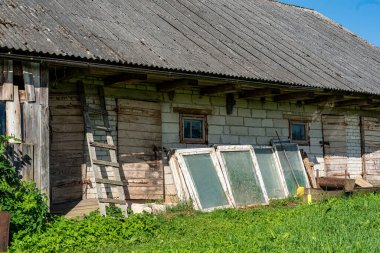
(4, 231)
(13, 117)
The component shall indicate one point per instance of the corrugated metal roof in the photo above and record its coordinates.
(259, 39)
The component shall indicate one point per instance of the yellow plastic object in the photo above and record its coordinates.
(300, 191)
(309, 198)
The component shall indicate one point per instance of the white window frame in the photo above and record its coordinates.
(278, 168)
(299, 160)
(256, 169)
(188, 179)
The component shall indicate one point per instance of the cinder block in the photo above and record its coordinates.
(168, 138)
(241, 103)
(316, 133)
(215, 129)
(247, 140)
(169, 117)
(170, 127)
(239, 130)
(230, 139)
(244, 112)
(255, 131)
(165, 107)
(234, 121)
(226, 130)
(182, 98)
(255, 104)
(262, 140)
(214, 139)
(218, 101)
(216, 120)
(272, 131)
(252, 122)
(259, 113)
(267, 123)
(270, 106)
(274, 114)
(200, 100)
(281, 123)
(222, 111)
(284, 106)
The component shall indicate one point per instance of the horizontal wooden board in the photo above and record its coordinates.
(127, 103)
(70, 136)
(67, 128)
(122, 126)
(67, 119)
(142, 174)
(64, 145)
(140, 135)
(138, 143)
(124, 113)
(150, 120)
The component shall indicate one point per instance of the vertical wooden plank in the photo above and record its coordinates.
(28, 81)
(33, 136)
(4, 231)
(7, 91)
(26, 166)
(13, 116)
(41, 81)
(2, 118)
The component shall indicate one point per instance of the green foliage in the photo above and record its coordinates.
(25, 203)
(91, 234)
(336, 225)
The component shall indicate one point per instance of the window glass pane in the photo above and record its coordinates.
(271, 175)
(244, 182)
(206, 180)
(196, 129)
(298, 132)
(296, 166)
(187, 128)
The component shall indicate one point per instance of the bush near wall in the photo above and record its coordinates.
(25, 203)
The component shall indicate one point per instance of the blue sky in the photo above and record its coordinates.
(362, 17)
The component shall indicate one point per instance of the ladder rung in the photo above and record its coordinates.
(102, 128)
(114, 201)
(102, 145)
(108, 181)
(105, 163)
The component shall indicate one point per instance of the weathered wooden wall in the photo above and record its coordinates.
(24, 88)
(139, 148)
(67, 143)
(371, 156)
(334, 144)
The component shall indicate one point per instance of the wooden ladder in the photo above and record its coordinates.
(96, 164)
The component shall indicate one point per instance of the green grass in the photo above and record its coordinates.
(338, 225)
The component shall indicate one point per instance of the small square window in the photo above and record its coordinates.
(299, 132)
(193, 128)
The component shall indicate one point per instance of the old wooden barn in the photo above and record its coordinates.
(173, 74)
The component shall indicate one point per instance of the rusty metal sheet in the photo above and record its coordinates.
(4, 231)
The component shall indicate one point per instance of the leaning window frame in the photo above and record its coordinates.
(255, 169)
(307, 132)
(191, 188)
(203, 118)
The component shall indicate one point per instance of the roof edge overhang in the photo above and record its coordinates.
(71, 61)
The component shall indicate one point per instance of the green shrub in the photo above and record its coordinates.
(91, 234)
(25, 203)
